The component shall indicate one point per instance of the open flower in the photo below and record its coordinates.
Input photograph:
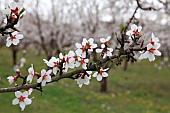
(135, 31)
(100, 74)
(105, 41)
(13, 8)
(151, 52)
(83, 62)
(54, 63)
(32, 73)
(105, 51)
(14, 38)
(154, 41)
(22, 99)
(12, 79)
(87, 45)
(84, 78)
(69, 60)
(45, 77)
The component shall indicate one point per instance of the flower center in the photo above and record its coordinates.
(44, 77)
(83, 48)
(13, 37)
(67, 59)
(82, 61)
(21, 99)
(15, 78)
(151, 50)
(55, 64)
(100, 72)
(88, 45)
(15, 11)
(152, 42)
(136, 32)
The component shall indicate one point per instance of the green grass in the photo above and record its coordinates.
(141, 89)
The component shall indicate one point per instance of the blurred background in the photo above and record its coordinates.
(53, 26)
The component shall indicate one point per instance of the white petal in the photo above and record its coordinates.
(84, 66)
(78, 45)
(7, 11)
(151, 57)
(98, 50)
(48, 79)
(95, 74)
(18, 94)
(104, 74)
(25, 94)
(84, 41)
(15, 101)
(77, 64)
(39, 80)
(29, 78)
(27, 101)
(43, 72)
(22, 105)
(149, 46)
(102, 40)
(49, 72)
(19, 36)
(133, 27)
(99, 77)
(91, 40)
(43, 83)
(128, 33)
(157, 45)
(139, 28)
(55, 69)
(89, 72)
(157, 53)
(9, 42)
(15, 41)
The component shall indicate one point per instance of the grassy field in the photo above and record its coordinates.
(141, 89)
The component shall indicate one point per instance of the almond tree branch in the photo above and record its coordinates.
(70, 74)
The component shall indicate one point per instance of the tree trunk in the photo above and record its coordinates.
(14, 54)
(104, 85)
(125, 65)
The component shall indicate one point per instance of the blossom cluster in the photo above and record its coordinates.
(14, 12)
(152, 46)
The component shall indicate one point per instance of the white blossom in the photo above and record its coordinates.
(45, 77)
(22, 99)
(151, 52)
(83, 62)
(32, 73)
(84, 79)
(14, 39)
(54, 63)
(100, 74)
(12, 79)
(87, 45)
(135, 30)
(13, 7)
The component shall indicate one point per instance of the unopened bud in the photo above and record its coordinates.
(18, 71)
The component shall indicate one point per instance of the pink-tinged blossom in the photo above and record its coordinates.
(12, 79)
(100, 74)
(54, 63)
(152, 50)
(83, 62)
(45, 77)
(22, 99)
(135, 31)
(84, 79)
(87, 45)
(14, 39)
(32, 73)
